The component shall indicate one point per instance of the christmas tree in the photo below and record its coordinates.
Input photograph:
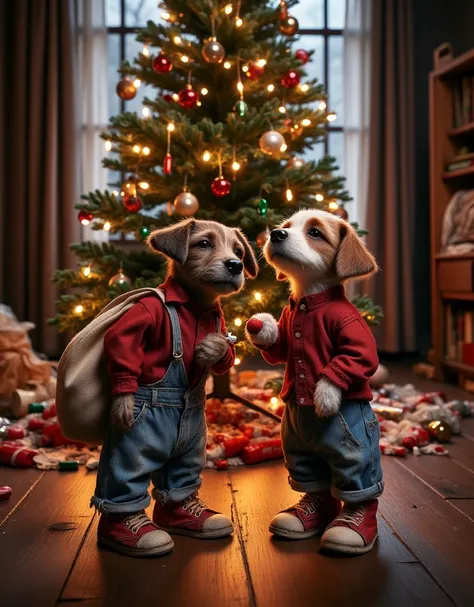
(223, 139)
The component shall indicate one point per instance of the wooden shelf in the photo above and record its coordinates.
(461, 173)
(457, 295)
(457, 367)
(465, 129)
(446, 257)
(461, 65)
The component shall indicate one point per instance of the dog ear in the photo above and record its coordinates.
(353, 259)
(173, 241)
(249, 260)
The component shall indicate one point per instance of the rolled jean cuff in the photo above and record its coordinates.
(308, 486)
(355, 497)
(108, 507)
(175, 495)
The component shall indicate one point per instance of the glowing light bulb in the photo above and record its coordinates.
(274, 400)
(322, 105)
(175, 96)
(143, 185)
(270, 88)
(86, 271)
(107, 226)
(166, 16)
(177, 40)
(198, 103)
(304, 87)
(204, 91)
(108, 145)
(245, 68)
(331, 117)
(184, 58)
(289, 194)
(115, 193)
(261, 63)
(235, 166)
(170, 126)
(227, 65)
(122, 193)
(145, 51)
(282, 109)
(78, 309)
(146, 151)
(206, 156)
(136, 149)
(228, 9)
(238, 22)
(240, 87)
(146, 112)
(237, 361)
(319, 197)
(306, 122)
(238, 322)
(284, 147)
(258, 296)
(332, 206)
(137, 82)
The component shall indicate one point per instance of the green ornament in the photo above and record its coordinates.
(240, 108)
(144, 232)
(262, 207)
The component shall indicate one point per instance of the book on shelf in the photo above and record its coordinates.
(459, 327)
(463, 101)
(457, 165)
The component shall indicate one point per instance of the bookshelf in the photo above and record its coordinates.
(452, 277)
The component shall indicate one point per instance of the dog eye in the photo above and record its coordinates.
(314, 233)
(204, 244)
(239, 253)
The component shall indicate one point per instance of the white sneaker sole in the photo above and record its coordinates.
(294, 535)
(204, 535)
(343, 549)
(140, 552)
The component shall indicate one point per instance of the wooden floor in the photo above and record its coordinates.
(425, 555)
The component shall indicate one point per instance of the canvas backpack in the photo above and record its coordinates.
(83, 389)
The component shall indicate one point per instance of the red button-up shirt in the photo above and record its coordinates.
(138, 347)
(323, 335)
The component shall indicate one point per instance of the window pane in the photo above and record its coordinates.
(310, 14)
(132, 49)
(336, 14)
(336, 80)
(336, 149)
(316, 153)
(112, 13)
(113, 53)
(315, 67)
(138, 12)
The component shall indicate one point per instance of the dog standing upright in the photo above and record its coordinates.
(330, 433)
(158, 355)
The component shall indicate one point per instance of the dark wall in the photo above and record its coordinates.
(435, 22)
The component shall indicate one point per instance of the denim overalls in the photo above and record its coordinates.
(166, 442)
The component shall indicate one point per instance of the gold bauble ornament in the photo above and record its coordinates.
(271, 143)
(126, 90)
(262, 238)
(186, 204)
(440, 430)
(295, 163)
(289, 26)
(119, 280)
(213, 51)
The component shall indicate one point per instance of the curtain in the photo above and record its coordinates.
(357, 53)
(391, 184)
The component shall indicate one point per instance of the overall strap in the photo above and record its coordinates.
(176, 330)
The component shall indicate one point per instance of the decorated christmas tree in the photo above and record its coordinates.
(223, 138)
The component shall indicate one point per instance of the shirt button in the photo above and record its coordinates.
(297, 334)
(302, 375)
(301, 400)
(302, 307)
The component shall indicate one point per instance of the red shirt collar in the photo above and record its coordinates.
(175, 293)
(317, 299)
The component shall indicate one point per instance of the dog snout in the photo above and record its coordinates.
(235, 266)
(278, 235)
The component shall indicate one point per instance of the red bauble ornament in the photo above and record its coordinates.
(85, 217)
(302, 55)
(291, 79)
(132, 203)
(162, 64)
(167, 164)
(168, 98)
(255, 71)
(188, 97)
(220, 187)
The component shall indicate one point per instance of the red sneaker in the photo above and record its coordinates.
(354, 531)
(192, 517)
(308, 517)
(133, 535)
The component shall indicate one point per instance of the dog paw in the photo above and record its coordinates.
(122, 411)
(262, 330)
(327, 398)
(211, 350)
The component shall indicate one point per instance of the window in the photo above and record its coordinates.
(321, 28)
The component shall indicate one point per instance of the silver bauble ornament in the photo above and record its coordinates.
(119, 280)
(213, 51)
(186, 204)
(271, 143)
(295, 163)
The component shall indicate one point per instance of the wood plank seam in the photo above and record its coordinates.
(20, 502)
(469, 518)
(398, 463)
(73, 564)
(238, 531)
(399, 538)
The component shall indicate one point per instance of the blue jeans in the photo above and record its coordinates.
(340, 452)
(166, 443)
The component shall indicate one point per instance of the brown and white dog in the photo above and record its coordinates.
(314, 250)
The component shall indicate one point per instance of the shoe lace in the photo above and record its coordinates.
(194, 505)
(307, 505)
(352, 514)
(136, 521)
